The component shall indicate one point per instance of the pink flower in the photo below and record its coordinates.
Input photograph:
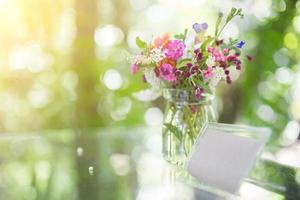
(210, 49)
(134, 68)
(167, 72)
(231, 58)
(219, 56)
(174, 49)
(208, 73)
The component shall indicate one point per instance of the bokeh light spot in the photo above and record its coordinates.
(139, 4)
(108, 35)
(113, 79)
(120, 164)
(121, 108)
(31, 57)
(291, 41)
(283, 75)
(296, 23)
(39, 96)
(290, 133)
(262, 9)
(281, 57)
(266, 113)
(153, 116)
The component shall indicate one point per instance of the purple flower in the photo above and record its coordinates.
(204, 26)
(167, 72)
(240, 44)
(197, 27)
(174, 49)
(200, 27)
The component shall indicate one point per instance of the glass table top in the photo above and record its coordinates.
(118, 164)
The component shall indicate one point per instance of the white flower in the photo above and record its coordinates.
(156, 54)
(189, 44)
(234, 73)
(152, 79)
(219, 74)
(152, 93)
(146, 61)
(136, 59)
(210, 61)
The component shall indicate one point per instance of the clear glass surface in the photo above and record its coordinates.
(117, 164)
(185, 116)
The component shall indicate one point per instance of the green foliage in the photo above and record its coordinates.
(140, 43)
(181, 36)
(206, 43)
(174, 130)
(183, 62)
(231, 15)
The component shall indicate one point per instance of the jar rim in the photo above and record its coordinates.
(180, 89)
(185, 96)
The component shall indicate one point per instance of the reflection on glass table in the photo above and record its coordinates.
(117, 164)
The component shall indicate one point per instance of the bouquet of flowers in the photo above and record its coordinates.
(191, 60)
(188, 67)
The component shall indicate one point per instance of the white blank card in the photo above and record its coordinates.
(222, 157)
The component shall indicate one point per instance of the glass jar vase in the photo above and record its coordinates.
(185, 115)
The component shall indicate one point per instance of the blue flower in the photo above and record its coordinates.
(240, 44)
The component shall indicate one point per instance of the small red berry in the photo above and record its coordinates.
(250, 58)
(177, 73)
(189, 65)
(219, 42)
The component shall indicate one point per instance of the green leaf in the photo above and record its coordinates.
(203, 85)
(183, 62)
(174, 130)
(140, 43)
(218, 22)
(179, 36)
(185, 33)
(240, 13)
(206, 43)
(233, 13)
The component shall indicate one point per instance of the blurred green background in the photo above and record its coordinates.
(62, 63)
(62, 66)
